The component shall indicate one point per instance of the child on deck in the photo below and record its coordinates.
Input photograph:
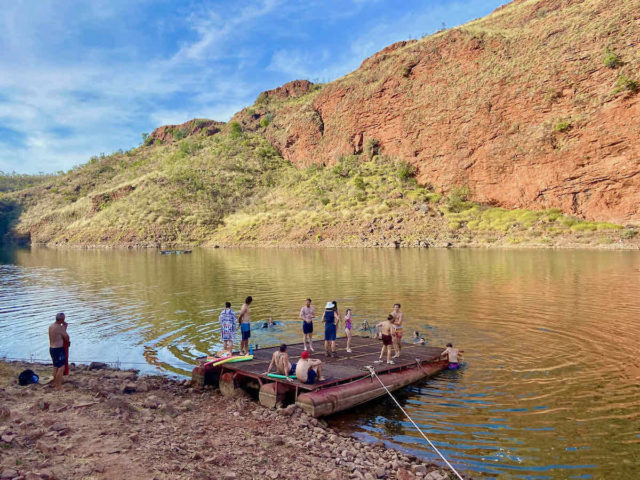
(386, 330)
(347, 328)
(452, 355)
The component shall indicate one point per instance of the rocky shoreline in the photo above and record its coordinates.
(113, 424)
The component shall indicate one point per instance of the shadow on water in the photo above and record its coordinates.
(9, 214)
(383, 413)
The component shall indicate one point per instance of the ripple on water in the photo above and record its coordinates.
(551, 383)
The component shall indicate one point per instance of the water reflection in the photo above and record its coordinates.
(551, 387)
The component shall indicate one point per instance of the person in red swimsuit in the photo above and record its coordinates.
(386, 330)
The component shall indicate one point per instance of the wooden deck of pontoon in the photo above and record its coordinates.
(347, 382)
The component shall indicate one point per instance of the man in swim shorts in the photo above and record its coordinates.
(280, 360)
(308, 370)
(452, 355)
(57, 337)
(228, 326)
(397, 321)
(307, 314)
(245, 325)
(386, 330)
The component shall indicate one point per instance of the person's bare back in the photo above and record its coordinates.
(387, 328)
(451, 354)
(57, 335)
(245, 314)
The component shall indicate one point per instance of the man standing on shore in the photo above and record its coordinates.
(307, 314)
(245, 325)
(397, 322)
(57, 337)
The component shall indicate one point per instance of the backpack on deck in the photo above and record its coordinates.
(27, 377)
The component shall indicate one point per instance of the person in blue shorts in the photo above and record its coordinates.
(331, 318)
(244, 319)
(308, 370)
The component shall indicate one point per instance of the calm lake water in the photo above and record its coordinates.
(551, 387)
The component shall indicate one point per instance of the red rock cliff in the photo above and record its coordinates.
(533, 106)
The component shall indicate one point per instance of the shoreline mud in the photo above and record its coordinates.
(625, 246)
(116, 424)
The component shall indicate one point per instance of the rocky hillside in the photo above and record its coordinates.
(534, 106)
(519, 128)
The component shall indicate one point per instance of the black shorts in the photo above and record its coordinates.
(307, 327)
(58, 357)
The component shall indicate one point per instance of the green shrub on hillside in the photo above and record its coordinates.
(562, 126)
(458, 200)
(406, 171)
(625, 83)
(235, 130)
(264, 122)
(359, 183)
(179, 133)
(611, 60)
(372, 148)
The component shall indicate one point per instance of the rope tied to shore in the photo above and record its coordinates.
(374, 374)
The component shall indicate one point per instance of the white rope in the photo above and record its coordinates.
(374, 374)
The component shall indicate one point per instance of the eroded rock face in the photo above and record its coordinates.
(289, 90)
(519, 107)
(171, 133)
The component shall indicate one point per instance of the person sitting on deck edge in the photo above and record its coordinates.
(280, 359)
(308, 370)
(386, 330)
(452, 355)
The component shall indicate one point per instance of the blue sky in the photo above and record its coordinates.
(80, 78)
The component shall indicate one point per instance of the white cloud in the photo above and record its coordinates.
(78, 78)
(216, 32)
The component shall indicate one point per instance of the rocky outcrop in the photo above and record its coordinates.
(292, 89)
(170, 133)
(521, 107)
(100, 201)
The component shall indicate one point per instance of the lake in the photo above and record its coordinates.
(551, 385)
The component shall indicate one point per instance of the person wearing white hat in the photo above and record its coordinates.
(331, 318)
